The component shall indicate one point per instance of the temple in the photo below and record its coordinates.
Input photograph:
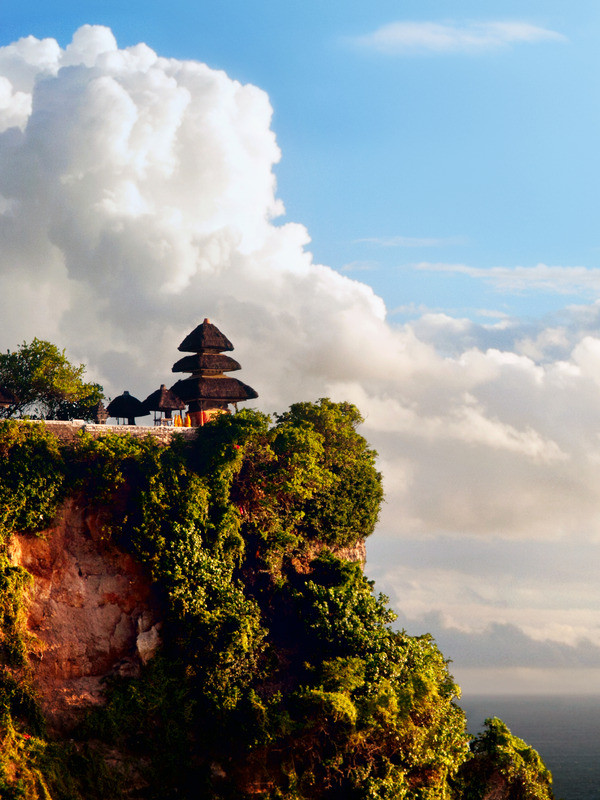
(208, 391)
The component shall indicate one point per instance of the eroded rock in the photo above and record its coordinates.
(84, 609)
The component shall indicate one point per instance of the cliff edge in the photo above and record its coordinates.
(191, 620)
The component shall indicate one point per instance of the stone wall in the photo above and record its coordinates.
(67, 431)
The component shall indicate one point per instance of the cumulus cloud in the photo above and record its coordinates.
(503, 612)
(137, 196)
(440, 582)
(502, 645)
(411, 38)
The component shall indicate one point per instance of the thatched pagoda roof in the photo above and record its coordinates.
(163, 400)
(126, 406)
(226, 390)
(213, 362)
(7, 397)
(205, 337)
(207, 387)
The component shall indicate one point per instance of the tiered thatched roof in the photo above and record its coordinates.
(208, 387)
(221, 389)
(205, 338)
(213, 362)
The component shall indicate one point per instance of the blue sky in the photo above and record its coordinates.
(443, 159)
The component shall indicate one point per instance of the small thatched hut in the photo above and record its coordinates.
(126, 406)
(163, 401)
(208, 391)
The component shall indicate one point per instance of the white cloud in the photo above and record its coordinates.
(526, 682)
(413, 241)
(487, 603)
(410, 38)
(137, 196)
(561, 280)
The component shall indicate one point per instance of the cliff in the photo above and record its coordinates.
(90, 609)
(190, 619)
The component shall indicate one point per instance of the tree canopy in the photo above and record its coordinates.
(46, 384)
(503, 765)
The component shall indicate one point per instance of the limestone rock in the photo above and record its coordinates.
(84, 609)
(147, 643)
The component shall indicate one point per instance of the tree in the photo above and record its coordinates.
(46, 384)
(504, 766)
(310, 475)
(346, 506)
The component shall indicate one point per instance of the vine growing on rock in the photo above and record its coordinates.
(280, 674)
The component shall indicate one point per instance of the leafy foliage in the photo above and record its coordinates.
(373, 713)
(280, 673)
(32, 478)
(345, 506)
(503, 761)
(46, 384)
(13, 644)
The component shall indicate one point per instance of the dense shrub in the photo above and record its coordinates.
(502, 762)
(280, 672)
(32, 477)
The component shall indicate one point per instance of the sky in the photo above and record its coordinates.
(394, 204)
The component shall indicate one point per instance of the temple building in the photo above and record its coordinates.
(100, 413)
(208, 391)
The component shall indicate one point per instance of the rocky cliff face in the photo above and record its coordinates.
(91, 612)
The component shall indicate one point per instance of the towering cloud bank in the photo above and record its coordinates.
(137, 196)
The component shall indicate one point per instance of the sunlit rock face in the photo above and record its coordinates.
(89, 605)
(91, 610)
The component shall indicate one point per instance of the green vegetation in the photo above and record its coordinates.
(46, 384)
(279, 675)
(32, 480)
(500, 759)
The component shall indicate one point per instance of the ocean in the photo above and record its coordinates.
(564, 730)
